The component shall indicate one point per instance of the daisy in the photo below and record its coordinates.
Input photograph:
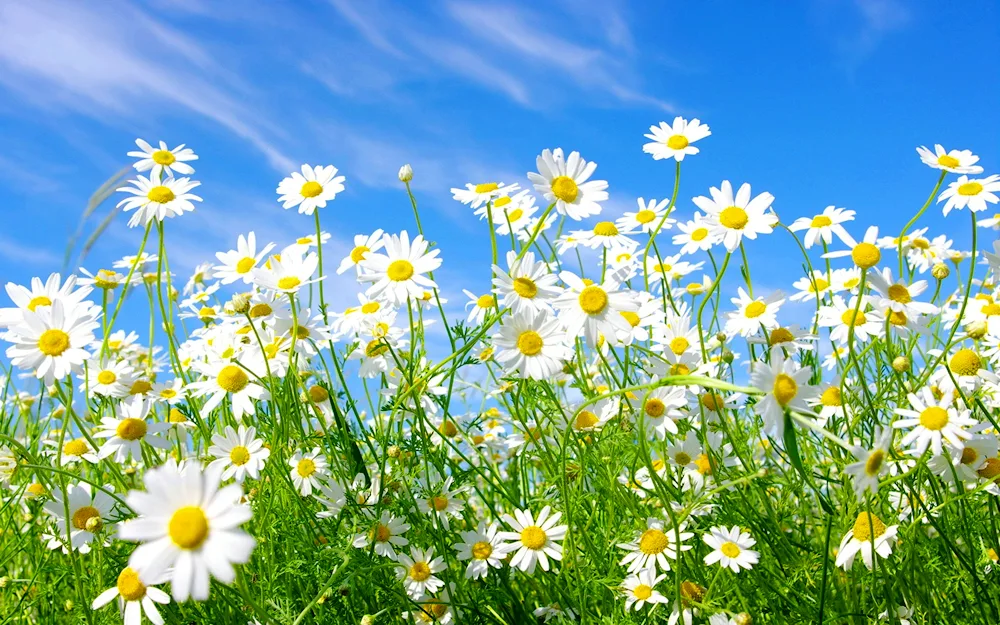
(648, 313)
(189, 527)
(532, 345)
(239, 452)
(163, 161)
(227, 379)
(674, 141)
(974, 194)
(476, 195)
(417, 572)
(104, 279)
(51, 341)
(40, 295)
(640, 589)
(842, 317)
(731, 548)
(754, 314)
(868, 529)
(239, 264)
(565, 183)
(514, 214)
(788, 338)
(785, 386)
(333, 497)
(363, 245)
(481, 306)
(733, 217)
(822, 227)
(134, 598)
(526, 286)
(441, 502)
(652, 547)
(534, 540)
(397, 274)
(311, 189)
(386, 533)
(694, 235)
(158, 200)
(109, 379)
(897, 296)
(483, 547)
(84, 509)
(954, 161)
(662, 408)
(648, 217)
(127, 431)
(288, 271)
(587, 420)
(74, 450)
(605, 234)
(864, 254)
(308, 470)
(593, 310)
(933, 421)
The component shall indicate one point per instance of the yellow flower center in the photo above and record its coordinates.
(530, 343)
(376, 348)
(969, 455)
(703, 464)
(358, 254)
(131, 429)
(533, 537)
(239, 455)
(990, 470)
(438, 503)
(729, 549)
(820, 221)
(525, 287)
(188, 527)
(899, 293)
(482, 550)
(288, 283)
(420, 571)
(593, 300)
(140, 387)
(41, 300)
(605, 229)
(653, 542)
(866, 255)
(921, 243)
(260, 310)
(160, 195)
(382, 533)
(84, 514)
(785, 388)
(585, 419)
(565, 189)
(897, 318)
(486, 301)
(35, 489)
(129, 586)
(821, 285)
(232, 379)
(655, 407)
(399, 270)
(682, 458)
(734, 218)
(679, 345)
(948, 161)
(206, 313)
(311, 189)
(176, 416)
(487, 187)
(305, 467)
(991, 310)
(106, 377)
(632, 318)
(780, 335)
(874, 462)
(515, 214)
(76, 447)
(867, 526)
(970, 189)
(502, 201)
(677, 142)
(680, 369)
(106, 279)
(318, 394)
(642, 591)
(965, 362)
(645, 216)
(246, 264)
(448, 429)
(848, 318)
(711, 401)
(699, 234)
(934, 418)
(831, 397)
(53, 342)
(755, 309)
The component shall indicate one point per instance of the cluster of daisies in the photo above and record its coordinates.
(581, 337)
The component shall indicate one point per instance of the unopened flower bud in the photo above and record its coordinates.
(940, 271)
(720, 337)
(68, 605)
(405, 173)
(727, 357)
(976, 329)
(4, 581)
(394, 451)
(367, 619)
(240, 303)
(901, 364)
(742, 619)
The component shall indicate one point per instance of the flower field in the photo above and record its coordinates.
(620, 427)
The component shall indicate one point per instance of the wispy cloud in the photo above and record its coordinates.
(20, 254)
(879, 18)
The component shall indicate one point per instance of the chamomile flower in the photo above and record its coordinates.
(333, 497)
(867, 530)
(593, 310)
(481, 305)
(40, 295)
(417, 572)
(898, 296)
(674, 140)
(732, 218)
(224, 379)
(661, 408)
(971, 194)
(640, 589)
(842, 317)
(534, 540)
(731, 548)
(654, 547)
(386, 533)
(593, 417)
(189, 527)
(605, 234)
(74, 450)
(532, 345)
(695, 235)
(476, 195)
(129, 429)
(787, 337)
(363, 246)
(308, 470)
(163, 161)
(84, 510)
(311, 189)
(933, 422)
(527, 286)
(134, 597)
(754, 314)
(109, 378)
(239, 264)
(398, 273)
(871, 464)
(51, 341)
(786, 387)
(647, 218)
(954, 161)
(239, 452)
(288, 271)
(566, 183)
(865, 254)
(823, 226)
(440, 501)
(158, 199)
(483, 547)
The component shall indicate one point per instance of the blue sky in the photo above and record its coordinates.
(818, 102)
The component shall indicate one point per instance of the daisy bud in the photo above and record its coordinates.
(394, 451)
(742, 619)
(4, 581)
(368, 619)
(976, 329)
(727, 357)
(68, 605)
(692, 591)
(240, 303)
(901, 364)
(721, 337)
(405, 173)
(940, 271)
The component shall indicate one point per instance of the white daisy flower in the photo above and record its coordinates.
(694, 235)
(871, 464)
(532, 345)
(333, 497)
(566, 183)
(731, 548)
(134, 598)
(661, 410)
(398, 273)
(170, 197)
(954, 161)
(868, 529)
(189, 527)
(288, 271)
(785, 386)
(363, 245)
(604, 234)
(534, 540)
(239, 452)
(163, 161)
(40, 295)
(842, 317)
(733, 217)
(108, 379)
(647, 218)
(674, 141)
(483, 547)
(308, 470)
(74, 450)
(51, 341)
(311, 189)
(934, 421)
(127, 431)
(897, 295)
(239, 264)
(822, 227)
(754, 314)
(593, 417)
(481, 306)
(224, 378)
(527, 286)
(417, 572)
(864, 254)
(386, 533)
(640, 589)
(651, 548)
(84, 509)
(476, 195)
(971, 194)
(593, 310)
(815, 286)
